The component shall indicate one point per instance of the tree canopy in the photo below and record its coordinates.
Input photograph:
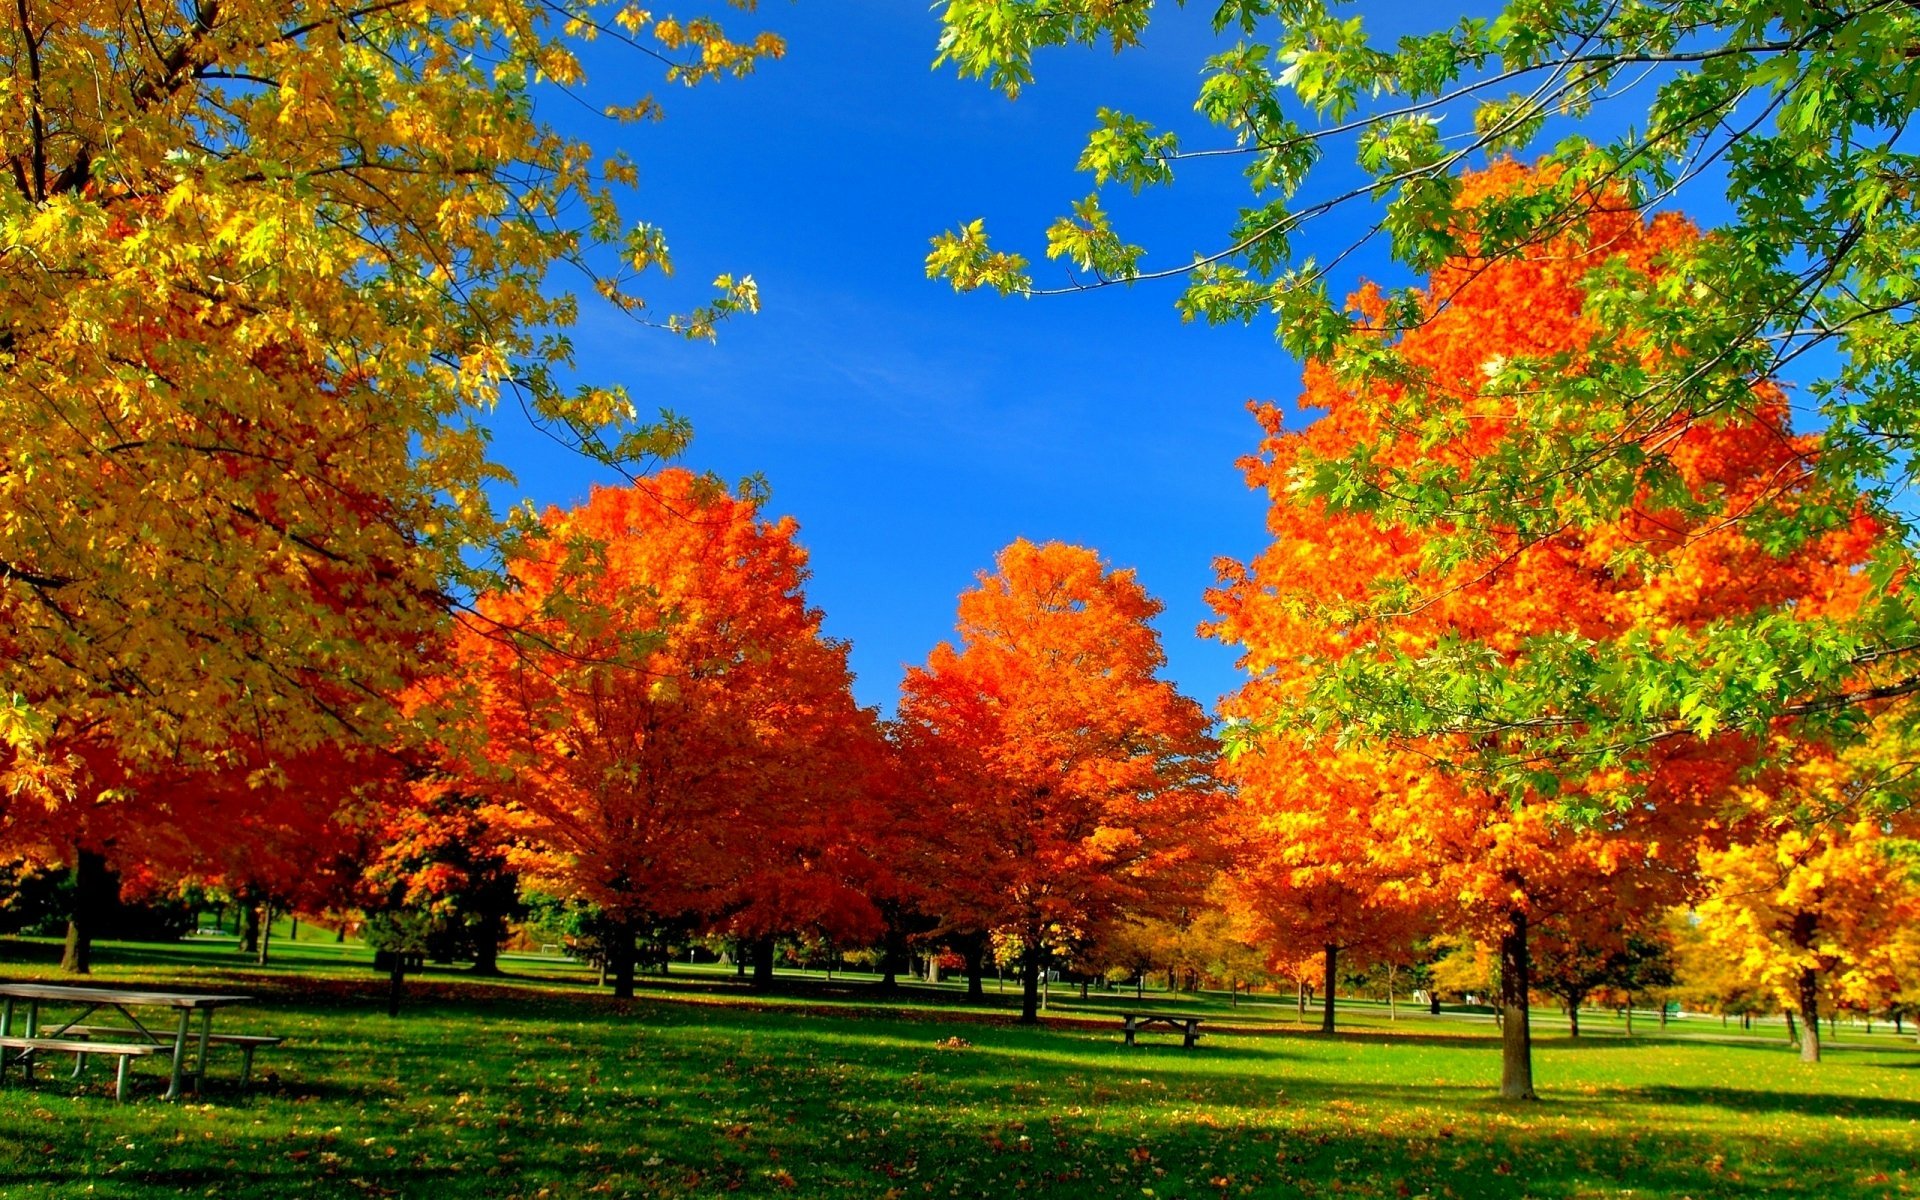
(1788, 117)
(269, 267)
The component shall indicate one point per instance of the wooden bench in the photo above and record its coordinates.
(247, 1042)
(80, 1047)
(1190, 1026)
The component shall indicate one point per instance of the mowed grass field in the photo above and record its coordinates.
(540, 1087)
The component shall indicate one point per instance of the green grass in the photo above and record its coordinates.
(539, 1087)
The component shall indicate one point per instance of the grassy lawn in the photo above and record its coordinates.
(536, 1087)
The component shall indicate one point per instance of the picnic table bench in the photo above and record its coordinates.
(25, 1048)
(1134, 1022)
(247, 1043)
(70, 1034)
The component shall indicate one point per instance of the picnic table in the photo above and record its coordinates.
(1134, 1022)
(69, 1032)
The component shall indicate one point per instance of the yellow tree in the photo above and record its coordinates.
(268, 267)
(1818, 897)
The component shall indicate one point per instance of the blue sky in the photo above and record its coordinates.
(911, 431)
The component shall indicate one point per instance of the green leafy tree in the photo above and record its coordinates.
(1795, 112)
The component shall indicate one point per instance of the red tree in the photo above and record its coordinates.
(671, 736)
(1067, 784)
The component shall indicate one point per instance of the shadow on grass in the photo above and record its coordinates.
(1815, 1104)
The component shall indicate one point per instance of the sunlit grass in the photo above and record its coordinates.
(700, 1089)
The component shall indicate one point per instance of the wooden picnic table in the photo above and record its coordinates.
(69, 1032)
(1133, 1022)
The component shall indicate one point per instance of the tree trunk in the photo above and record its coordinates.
(892, 950)
(1809, 1017)
(619, 958)
(488, 925)
(762, 963)
(1433, 1002)
(90, 882)
(1573, 1000)
(249, 920)
(1300, 999)
(1793, 1031)
(1629, 1014)
(1393, 1013)
(396, 978)
(266, 929)
(1030, 986)
(974, 950)
(1332, 957)
(1516, 1041)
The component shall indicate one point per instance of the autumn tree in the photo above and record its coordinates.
(1073, 784)
(1345, 593)
(669, 735)
(1791, 112)
(1816, 899)
(271, 266)
(1307, 881)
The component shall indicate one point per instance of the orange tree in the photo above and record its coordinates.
(1307, 883)
(1071, 785)
(669, 735)
(1343, 591)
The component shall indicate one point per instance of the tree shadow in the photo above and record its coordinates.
(1816, 1104)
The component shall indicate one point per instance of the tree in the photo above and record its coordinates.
(669, 736)
(1072, 783)
(270, 267)
(433, 855)
(1815, 902)
(1308, 881)
(1797, 107)
(1342, 595)
(1579, 957)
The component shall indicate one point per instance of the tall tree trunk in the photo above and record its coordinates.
(396, 981)
(249, 920)
(1433, 1002)
(619, 953)
(1332, 958)
(1629, 1014)
(892, 950)
(762, 963)
(1393, 1012)
(1030, 986)
(1793, 1031)
(1516, 1039)
(90, 882)
(973, 948)
(1809, 1017)
(1300, 999)
(488, 926)
(266, 929)
(1573, 1000)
